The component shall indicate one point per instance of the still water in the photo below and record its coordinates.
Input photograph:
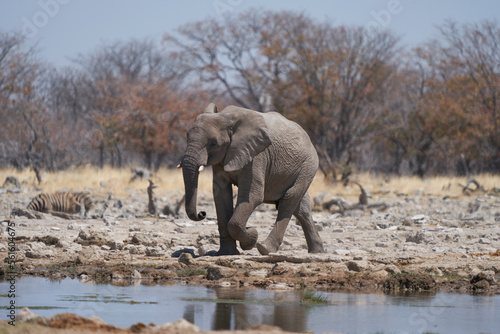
(234, 308)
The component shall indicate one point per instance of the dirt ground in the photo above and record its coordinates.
(415, 241)
(72, 324)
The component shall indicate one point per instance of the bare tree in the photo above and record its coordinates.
(471, 53)
(335, 85)
(21, 107)
(117, 72)
(329, 79)
(227, 56)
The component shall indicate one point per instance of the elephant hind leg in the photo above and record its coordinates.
(303, 215)
(286, 207)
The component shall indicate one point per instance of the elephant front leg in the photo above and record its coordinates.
(223, 198)
(247, 236)
(250, 195)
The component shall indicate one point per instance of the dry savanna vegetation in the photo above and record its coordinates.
(118, 182)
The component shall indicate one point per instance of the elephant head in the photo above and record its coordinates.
(231, 138)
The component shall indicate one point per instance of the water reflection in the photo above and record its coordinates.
(225, 312)
(242, 308)
(233, 308)
(275, 308)
(189, 312)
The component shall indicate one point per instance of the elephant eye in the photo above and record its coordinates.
(213, 143)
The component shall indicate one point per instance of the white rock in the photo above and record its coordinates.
(392, 269)
(136, 274)
(279, 286)
(96, 319)
(454, 230)
(484, 241)
(342, 252)
(358, 252)
(155, 251)
(37, 246)
(420, 237)
(74, 248)
(117, 245)
(140, 249)
(259, 273)
(23, 247)
(180, 326)
(358, 266)
(439, 249)
(25, 314)
(204, 249)
(433, 229)
(184, 224)
(420, 219)
(108, 221)
(209, 222)
(63, 244)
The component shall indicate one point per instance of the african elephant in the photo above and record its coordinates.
(269, 158)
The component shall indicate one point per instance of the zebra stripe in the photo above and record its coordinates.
(84, 198)
(60, 201)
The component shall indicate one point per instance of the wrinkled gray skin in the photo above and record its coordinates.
(269, 158)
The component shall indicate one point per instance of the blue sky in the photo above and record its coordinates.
(64, 28)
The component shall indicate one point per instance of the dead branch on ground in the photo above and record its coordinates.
(175, 212)
(140, 173)
(105, 206)
(467, 189)
(361, 205)
(11, 180)
(151, 199)
(26, 213)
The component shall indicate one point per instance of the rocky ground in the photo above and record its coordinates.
(416, 242)
(68, 323)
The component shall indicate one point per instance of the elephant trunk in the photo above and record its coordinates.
(190, 174)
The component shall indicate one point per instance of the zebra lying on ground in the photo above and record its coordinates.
(62, 201)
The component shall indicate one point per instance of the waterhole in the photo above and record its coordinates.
(213, 308)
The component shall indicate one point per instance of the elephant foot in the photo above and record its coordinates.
(267, 247)
(251, 237)
(317, 248)
(227, 251)
(262, 249)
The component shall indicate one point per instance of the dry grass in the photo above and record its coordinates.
(437, 185)
(103, 180)
(118, 182)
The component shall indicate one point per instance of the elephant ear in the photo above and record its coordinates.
(250, 137)
(210, 109)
